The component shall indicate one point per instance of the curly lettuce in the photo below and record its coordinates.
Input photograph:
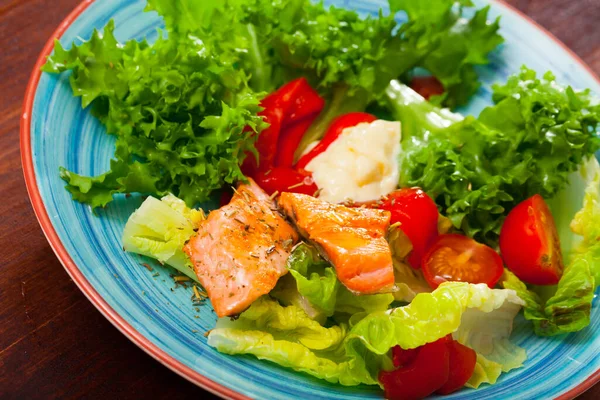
(184, 108)
(183, 114)
(478, 169)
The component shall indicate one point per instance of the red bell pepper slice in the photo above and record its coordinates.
(303, 101)
(279, 179)
(266, 143)
(289, 140)
(287, 106)
(335, 130)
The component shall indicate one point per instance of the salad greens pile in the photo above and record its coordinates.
(184, 108)
(478, 169)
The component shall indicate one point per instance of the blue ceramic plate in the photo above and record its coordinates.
(56, 132)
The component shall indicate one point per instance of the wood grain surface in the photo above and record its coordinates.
(53, 342)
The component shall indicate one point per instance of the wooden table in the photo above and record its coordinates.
(53, 342)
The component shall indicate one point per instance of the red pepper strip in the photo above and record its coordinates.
(292, 102)
(304, 101)
(427, 86)
(279, 179)
(462, 360)
(289, 140)
(418, 217)
(335, 130)
(427, 373)
(266, 144)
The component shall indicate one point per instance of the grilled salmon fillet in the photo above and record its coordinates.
(352, 239)
(240, 250)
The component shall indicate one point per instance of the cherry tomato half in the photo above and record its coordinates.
(424, 375)
(279, 179)
(443, 367)
(455, 257)
(418, 217)
(462, 361)
(529, 243)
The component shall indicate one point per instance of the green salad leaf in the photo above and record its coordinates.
(447, 44)
(567, 307)
(160, 228)
(316, 283)
(478, 169)
(479, 316)
(178, 108)
(184, 109)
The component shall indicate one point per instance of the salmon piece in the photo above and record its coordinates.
(352, 239)
(241, 249)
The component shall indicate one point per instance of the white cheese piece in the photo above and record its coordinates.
(360, 165)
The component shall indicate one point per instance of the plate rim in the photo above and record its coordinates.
(90, 292)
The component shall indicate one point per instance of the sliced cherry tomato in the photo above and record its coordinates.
(455, 257)
(418, 217)
(286, 180)
(335, 130)
(462, 364)
(443, 367)
(427, 86)
(529, 243)
(423, 376)
(401, 357)
(288, 141)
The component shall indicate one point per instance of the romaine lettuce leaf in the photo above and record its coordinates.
(292, 341)
(159, 229)
(317, 283)
(567, 307)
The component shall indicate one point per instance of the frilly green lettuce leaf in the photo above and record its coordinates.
(478, 169)
(179, 109)
(365, 348)
(159, 229)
